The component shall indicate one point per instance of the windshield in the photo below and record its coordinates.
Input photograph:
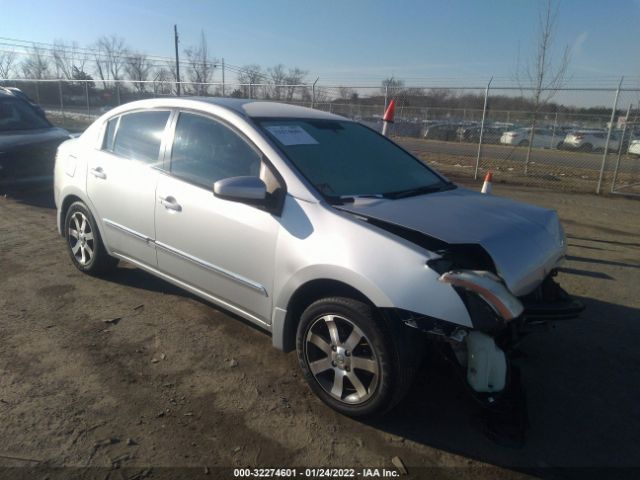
(16, 114)
(344, 158)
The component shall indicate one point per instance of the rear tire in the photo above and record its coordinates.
(84, 243)
(350, 359)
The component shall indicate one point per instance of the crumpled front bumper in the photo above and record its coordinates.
(493, 308)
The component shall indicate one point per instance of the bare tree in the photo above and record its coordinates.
(138, 68)
(295, 76)
(278, 77)
(249, 76)
(542, 74)
(68, 59)
(110, 58)
(285, 82)
(345, 93)
(36, 64)
(392, 87)
(321, 96)
(162, 80)
(200, 66)
(7, 60)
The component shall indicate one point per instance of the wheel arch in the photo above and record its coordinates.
(284, 326)
(64, 208)
(68, 199)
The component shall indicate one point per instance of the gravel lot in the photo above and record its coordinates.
(129, 371)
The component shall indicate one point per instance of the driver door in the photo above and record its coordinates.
(223, 248)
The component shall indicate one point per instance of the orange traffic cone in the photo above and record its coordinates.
(388, 117)
(486, 186)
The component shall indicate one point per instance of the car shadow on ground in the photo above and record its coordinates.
(37, 195)
(580, 381)
(130, 276)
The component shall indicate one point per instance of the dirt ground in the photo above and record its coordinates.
(127, 376)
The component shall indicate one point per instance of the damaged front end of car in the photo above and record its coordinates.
(501, 257)
(499, 322)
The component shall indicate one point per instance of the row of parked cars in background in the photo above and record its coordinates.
(564, 138)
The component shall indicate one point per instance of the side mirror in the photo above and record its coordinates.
(241, 189)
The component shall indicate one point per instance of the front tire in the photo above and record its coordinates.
(349, 359)
(84, 243)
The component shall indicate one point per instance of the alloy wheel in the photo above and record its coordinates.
(81, 240)
(342, 359)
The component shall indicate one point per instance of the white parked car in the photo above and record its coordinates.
(542, 138)
(634, 147)
(329, 236)
(590, 141)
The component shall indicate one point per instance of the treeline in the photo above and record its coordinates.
(110, 59)
(444, 98)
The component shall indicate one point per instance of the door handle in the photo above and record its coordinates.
(98, 173)
(170, 204)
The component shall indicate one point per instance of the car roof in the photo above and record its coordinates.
(263, 108)
(244, 107)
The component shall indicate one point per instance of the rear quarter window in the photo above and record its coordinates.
(110, 134)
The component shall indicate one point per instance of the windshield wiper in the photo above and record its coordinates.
(342, 199)
(412, 192)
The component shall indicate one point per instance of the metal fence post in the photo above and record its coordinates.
(118, 92)
(223, 78)
(313, 93)
(624, 132)
(606, 147)
(484, 116)
(386, 97)
(553, 135)
(86, 95)
(61, 101)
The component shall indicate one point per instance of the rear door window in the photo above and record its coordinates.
(139, 136)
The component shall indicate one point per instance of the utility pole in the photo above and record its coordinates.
(223, 76)
(175, 36)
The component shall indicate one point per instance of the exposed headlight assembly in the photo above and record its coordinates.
(488, 287)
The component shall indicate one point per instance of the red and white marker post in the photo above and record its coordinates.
(486, 186)
(388, 117)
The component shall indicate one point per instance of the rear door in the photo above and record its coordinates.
(122, 179)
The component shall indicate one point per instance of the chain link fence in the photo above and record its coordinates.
(584, 139)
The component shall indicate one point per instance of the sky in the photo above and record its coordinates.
(358, 42)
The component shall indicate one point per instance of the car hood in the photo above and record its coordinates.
(20, 138)
(524, 241)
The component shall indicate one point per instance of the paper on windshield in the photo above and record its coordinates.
(291, 135)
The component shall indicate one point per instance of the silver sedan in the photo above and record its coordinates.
(331, 237)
